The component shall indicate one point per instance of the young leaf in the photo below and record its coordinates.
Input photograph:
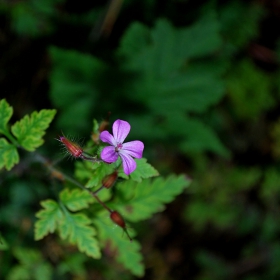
(143, 171)
(8, 154)
(76, 199)
(76, 227)
(48, 218)
(30, 129)
(127, 253)
(148, 197)
(6, 112)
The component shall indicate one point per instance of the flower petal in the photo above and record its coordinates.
(133, 148)
(129, 164)
(106, 137)
(109, 154)
(120, 130)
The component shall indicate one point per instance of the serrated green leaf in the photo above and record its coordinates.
(171, 79)
(8, 154)
(30, 129)
(49, 218)
(75, 199)
(143, 171)
(76, 227)
(142, 200)
(127, 253)
(6, 112)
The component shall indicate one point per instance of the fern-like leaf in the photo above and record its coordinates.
(76, 228)
(127, 253)
(8, 154)
(30, 129)
(141, 200)
(6, 112)
(76, 199)
(143, 171)
(49, 218)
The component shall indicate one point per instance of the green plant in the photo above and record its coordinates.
(73, 214)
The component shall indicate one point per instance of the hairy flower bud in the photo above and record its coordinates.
(110, 180)
(72, 148)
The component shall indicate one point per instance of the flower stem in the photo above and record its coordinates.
(89, 157)
(73, 181)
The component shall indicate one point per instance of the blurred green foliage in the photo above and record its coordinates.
(199, 83)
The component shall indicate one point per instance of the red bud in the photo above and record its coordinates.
(117, 219)
(73, 148)
(110, 180)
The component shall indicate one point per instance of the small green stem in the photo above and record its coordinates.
(86, 156)
(94, 194)
(10, 137)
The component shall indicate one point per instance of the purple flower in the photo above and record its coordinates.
(125, 150)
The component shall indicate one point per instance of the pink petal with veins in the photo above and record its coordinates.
(105, 136)
(109, 154)
(129, 164)
(120, 130)
(133, 148)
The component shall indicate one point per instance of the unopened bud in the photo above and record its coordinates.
(95, 137)
(103, 126)
(110, 180)
(73, 148)
(117, 219)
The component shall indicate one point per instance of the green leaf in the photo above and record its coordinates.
(32, 266)
(49, 219)
(8, 154)
(127, 253)
(201, 137)
(76, 228)
(246, 83)
(143, 171)
(6, 112)
(74, 87)
(75, 199)
(141, 200)
(31, 129)
(179, 72)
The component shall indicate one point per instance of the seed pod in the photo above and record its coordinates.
(110, 180)
(118, 220)
(72, 148)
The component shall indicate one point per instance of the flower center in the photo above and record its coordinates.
(118, 147)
